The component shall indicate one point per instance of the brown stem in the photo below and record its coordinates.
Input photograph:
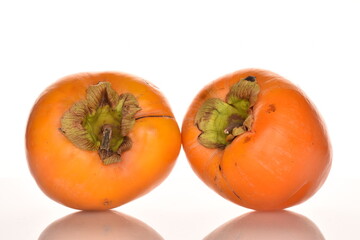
(104, 150)
(250, 78)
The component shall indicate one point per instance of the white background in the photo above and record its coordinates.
(180, 46)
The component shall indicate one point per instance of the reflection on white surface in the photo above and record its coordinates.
(103, 225)
(280, 225)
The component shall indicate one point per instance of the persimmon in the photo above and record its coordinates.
(96, 141)
(257, 140)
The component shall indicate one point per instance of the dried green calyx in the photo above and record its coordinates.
(221, 121)
(101, 122)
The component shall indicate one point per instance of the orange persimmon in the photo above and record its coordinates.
(257, 140)
(98, 140)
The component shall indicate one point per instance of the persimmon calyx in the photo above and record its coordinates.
(101, 122)
(221, 121)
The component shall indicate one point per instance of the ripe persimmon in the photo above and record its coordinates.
(98, 140)
(257, 140)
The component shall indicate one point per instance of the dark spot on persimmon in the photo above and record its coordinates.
(219, 167)
(247, 139)
(107, 202)
(236, 195)
(60, 129)
(203, 96)
(235, 164)
(150, 84)
(271, 108)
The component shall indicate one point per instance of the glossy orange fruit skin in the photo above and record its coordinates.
(77, 178)
(281, 162)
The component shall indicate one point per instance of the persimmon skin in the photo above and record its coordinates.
(77, 178)
(282, 161)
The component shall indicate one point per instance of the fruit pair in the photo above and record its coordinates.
(98, 140)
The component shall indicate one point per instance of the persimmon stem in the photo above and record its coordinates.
(250, 78)
(221, 121)
(101, 122)
(105, 142)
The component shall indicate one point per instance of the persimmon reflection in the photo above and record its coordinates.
(99, 225)
(279, 225)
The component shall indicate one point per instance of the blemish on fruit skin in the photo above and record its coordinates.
(150, 84)
(271, 108)
(247, 139)
(203, 96)
(236, 195)
(62, 131)
(107, 202)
